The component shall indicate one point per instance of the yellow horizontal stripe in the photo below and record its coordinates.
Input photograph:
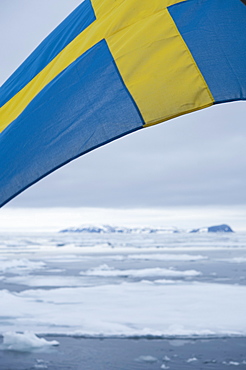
(113, 17)
(158, 69)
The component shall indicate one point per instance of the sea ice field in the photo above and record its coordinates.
(122, 300)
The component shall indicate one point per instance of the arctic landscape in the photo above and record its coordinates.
(119, 297)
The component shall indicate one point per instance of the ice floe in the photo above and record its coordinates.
(148, 359)
(231, 363)
(19, 265)
(46, 281)
(128, 309)
(233, 259)
(192, 359)
(41, 364)
(167, 257)
(26, 342)
(106, 271)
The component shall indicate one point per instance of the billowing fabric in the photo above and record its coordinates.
(221, 51)
(71, 27)
(111, 68)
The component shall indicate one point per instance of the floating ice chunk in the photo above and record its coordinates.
(231, 363)
(41, 364)
(163, 366)
(26, 342)
(192, 359)
(149, 359)
(105, 270)
(167, 257)
(19, 265)
(166, 358)
(165, 281)
(46, 281)
(210, 361)
(239, 259)
(233, 260)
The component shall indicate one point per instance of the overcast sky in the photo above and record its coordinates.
(194, 160)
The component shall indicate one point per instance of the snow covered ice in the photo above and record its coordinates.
(170, 287)
(105, 270)
(26, 342)
(122, 284)
(126, 285)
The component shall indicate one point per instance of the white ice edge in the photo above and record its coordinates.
(112, 250)
(19, 265)
(128, 310)
(233, 260)
(48, 253)
(167, 257)
(66, 281)
(106, 271)
(25, 342)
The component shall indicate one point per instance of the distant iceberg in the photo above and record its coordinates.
(214, 229)
(107, 229)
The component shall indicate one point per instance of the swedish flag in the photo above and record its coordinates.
(113, 67)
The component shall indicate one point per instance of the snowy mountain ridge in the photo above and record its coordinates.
(105, 229)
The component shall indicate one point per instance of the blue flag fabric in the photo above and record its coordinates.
(111, 68)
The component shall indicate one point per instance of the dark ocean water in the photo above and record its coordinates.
(124, 354)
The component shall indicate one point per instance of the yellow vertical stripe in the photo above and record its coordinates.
(129, 11)
(158, 69)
